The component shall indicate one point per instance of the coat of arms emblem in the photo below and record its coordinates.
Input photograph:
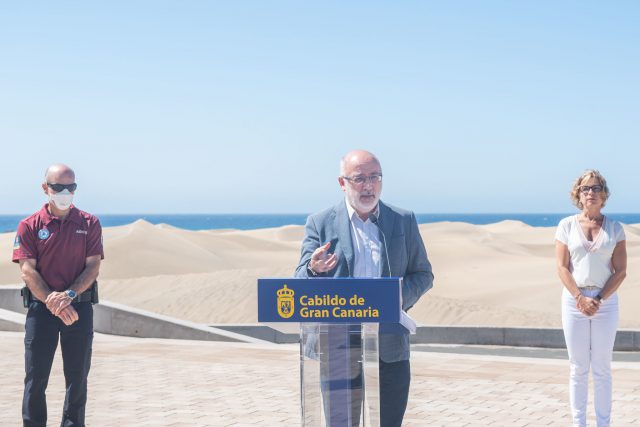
(285, 302)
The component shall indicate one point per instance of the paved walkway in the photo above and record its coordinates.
(151, 382)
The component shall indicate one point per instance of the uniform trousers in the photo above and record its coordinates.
(42, 332)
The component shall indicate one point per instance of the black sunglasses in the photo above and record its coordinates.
(61, 187)
(596, 188)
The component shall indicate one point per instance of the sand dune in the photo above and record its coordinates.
(500, 274)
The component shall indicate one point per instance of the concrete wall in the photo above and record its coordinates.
(261, 332)
(513, 337)
(11, 321)
(10, 298)
(117, 319)
(463, 335)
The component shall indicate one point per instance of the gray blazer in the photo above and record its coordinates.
(407, 258)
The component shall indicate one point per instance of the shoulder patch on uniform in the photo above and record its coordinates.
(16, 243)
(43, 234)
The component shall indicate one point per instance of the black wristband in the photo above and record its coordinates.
(313, 273)
(598, 298)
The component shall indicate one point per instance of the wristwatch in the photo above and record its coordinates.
(599, 298)
(71, 293)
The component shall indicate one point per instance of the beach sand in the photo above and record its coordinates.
(500, 274)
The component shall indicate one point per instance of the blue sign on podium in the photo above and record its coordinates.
(336, 300)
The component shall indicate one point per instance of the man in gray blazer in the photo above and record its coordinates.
(351, 240)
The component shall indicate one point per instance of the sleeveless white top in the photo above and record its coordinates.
(590, 261)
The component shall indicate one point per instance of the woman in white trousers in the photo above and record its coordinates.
(592, 263)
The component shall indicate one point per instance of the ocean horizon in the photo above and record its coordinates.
(9, 223)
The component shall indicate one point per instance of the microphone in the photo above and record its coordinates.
(384, 327)
(374, 219)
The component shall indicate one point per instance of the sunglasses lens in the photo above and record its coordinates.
(61, 187)
(595, 188)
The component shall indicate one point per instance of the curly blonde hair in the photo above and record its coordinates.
(588, 174)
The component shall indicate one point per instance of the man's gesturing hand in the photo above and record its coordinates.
(321, 261)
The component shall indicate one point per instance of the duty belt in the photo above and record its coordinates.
(83, 297)
(90, 295)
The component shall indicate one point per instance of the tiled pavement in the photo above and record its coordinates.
(152, 382)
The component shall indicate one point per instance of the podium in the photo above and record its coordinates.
(340, 319)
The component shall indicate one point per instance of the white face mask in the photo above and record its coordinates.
(62, 200)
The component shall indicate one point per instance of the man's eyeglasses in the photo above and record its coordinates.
(361, 179)
(596, 188)
(61, 187)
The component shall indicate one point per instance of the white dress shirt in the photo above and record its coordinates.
(365, 237)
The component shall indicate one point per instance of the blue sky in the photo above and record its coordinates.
(247, 106)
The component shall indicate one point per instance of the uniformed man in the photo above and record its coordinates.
(59, 249)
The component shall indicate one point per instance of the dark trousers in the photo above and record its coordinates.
(341, 375)
(342, 380)
(42, 330)
(395, 378)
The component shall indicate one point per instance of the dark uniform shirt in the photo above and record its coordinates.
(60, 248)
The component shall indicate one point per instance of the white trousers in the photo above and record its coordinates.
(590, 345)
